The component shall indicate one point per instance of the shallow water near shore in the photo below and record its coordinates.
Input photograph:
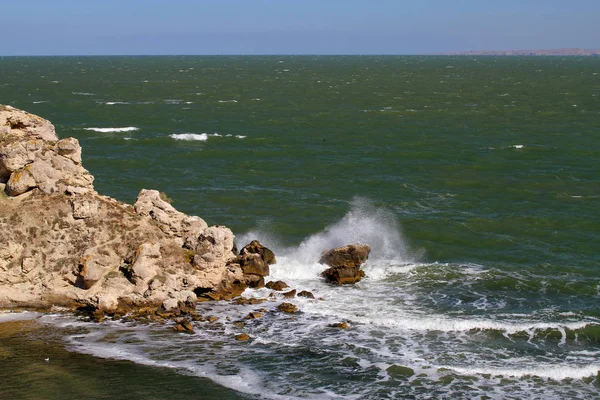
(475, 181)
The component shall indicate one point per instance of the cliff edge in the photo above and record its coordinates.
(64, 244)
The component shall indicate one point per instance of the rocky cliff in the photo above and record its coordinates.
(64, 244)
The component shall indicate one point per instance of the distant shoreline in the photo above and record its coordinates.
(547, 52)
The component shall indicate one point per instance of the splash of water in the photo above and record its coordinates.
(364, 223)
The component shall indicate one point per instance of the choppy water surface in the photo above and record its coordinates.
(475, 181)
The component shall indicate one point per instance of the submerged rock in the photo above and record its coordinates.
(242, 337)
(345, 263)
(307, 294)
(340, 325)
(183, 325)
(276, 285)
(287, 308)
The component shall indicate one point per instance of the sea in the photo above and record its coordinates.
(475, 180)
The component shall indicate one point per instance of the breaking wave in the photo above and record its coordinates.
(108, 130)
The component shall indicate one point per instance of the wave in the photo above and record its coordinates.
(364, 223)
(107, 130)
(112, 103)
(83, 94)
(202, 137)
(554, 372)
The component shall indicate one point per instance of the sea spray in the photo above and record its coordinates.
(364, 223)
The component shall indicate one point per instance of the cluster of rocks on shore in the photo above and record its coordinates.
(66, 245)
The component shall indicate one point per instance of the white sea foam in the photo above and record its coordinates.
(518, 146)
(112, 103)
(83, 94)
(18, 316)
(41, 101)
(108, 130)
(553, 372)
(202, 137)
(228, 101)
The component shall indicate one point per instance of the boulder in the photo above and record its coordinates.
(339, 325)
(343, 275)
(345, 263)
(276, 285)
(183, 325)
(352, 255)
(290, 295)
(242, 337)
(307, 294)
(287, 308)
(253, 264)
(254, 247)
(255, 281)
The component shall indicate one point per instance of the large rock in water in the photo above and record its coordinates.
(254, 259)
(62, 243)
(345, 263)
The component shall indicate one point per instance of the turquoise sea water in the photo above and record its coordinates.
(475, 180)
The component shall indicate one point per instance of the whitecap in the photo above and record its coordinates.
(107, 130)
(518, 146)
(203, 137)
(41, 101)
(228, 101)
(83, 94)
(554, 372)
(112, 103)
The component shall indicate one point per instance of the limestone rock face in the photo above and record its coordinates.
(149, 203)
(21, 123)
(345, 263)
(64, 244)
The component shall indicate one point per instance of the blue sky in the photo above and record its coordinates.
(90, 27)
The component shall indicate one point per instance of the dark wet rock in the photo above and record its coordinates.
(276, 285)
(307, 294)
(254, 315)
(243, 301)
(183, 325)
(291, 294)
(255, 281)
(352, 255)
(253, 264)
(242, 337)
(400, 371)
(212, 319)
(345, 263)
(340, 325)
(255, 247)
(287, 308)
(343, 275)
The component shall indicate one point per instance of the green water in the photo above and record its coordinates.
(484, 163)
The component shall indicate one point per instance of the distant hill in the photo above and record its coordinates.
(550, 52)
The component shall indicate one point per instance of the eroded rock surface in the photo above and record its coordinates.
(65, 244)
(345, 263)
